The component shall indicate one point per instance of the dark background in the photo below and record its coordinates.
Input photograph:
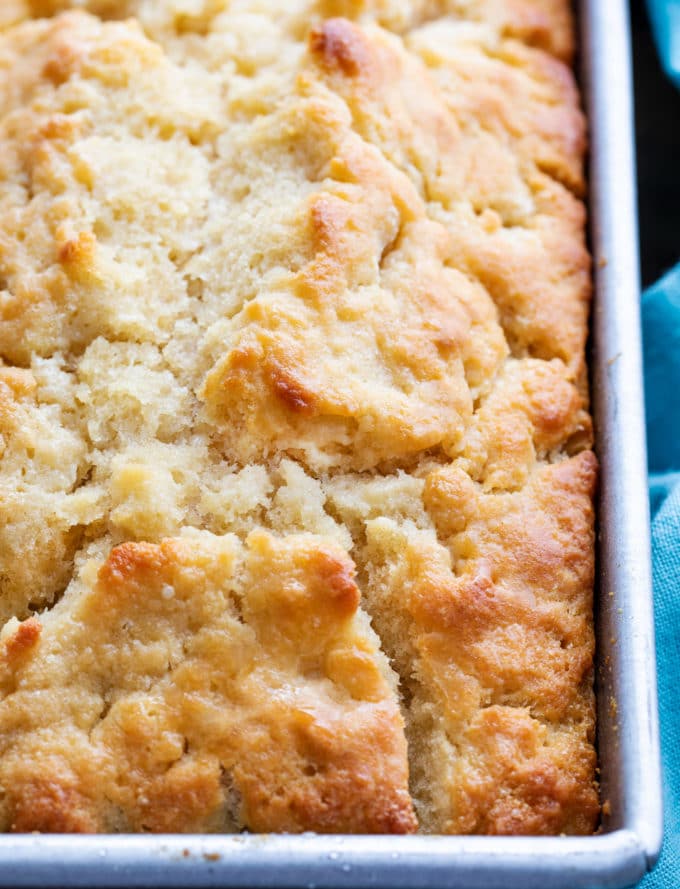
(657, 114)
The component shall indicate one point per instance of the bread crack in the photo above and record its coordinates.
(300, 318)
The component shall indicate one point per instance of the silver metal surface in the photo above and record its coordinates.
(628, 726)
(628, 731)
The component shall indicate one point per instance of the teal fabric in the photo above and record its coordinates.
(665, 16)
(661, 331)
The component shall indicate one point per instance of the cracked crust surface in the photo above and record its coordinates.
(208, 684)
(296, 524)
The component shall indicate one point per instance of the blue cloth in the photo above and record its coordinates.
(665, 16)
(661, 331)
(661, 328)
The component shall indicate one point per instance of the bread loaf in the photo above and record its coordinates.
(296, 488)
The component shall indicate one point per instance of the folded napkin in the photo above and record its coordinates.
(661, 333)
(665, 16)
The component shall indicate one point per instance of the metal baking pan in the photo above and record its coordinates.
(630, 838)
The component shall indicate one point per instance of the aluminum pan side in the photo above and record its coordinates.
(324, 862)
(626, 686)
(627, 700)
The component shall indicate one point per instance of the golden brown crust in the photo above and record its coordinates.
(293, 307)
(545, 24)
(48, 806)
(21, 642)
(501, 649)
(231, 688)
(447, 123)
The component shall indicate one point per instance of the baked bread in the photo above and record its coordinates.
(296, 488)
